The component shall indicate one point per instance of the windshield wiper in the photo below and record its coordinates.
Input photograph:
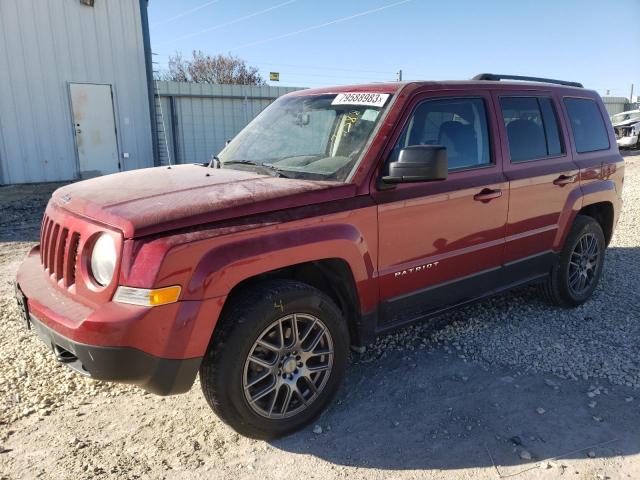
(214, 162)
(273, 168)
(240, 162)
(264, 166)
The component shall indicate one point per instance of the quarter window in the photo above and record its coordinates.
(587, 125)
(459, 124)
(532, 128)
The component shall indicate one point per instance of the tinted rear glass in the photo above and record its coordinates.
(532, 128)
(587, 125)
(554, 145)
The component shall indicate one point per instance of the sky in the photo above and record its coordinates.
(329, 42)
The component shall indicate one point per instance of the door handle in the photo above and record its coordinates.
(563, 180)
(487, 195)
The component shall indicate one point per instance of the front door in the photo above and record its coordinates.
(94, 128)
(442, 242)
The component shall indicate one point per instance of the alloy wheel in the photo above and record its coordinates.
(288, 366)
(583, 264)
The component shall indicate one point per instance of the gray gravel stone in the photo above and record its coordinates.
(525, 455)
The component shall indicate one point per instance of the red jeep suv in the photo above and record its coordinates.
(336, 215)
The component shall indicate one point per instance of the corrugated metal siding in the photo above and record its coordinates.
(615, 104)
(44, 45)
(208, 115)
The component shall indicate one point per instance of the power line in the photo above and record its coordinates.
(321, 25)
(231, 22)
(317, 67)
(184, 13)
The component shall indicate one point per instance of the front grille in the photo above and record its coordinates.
(59, 251)
(622, 131)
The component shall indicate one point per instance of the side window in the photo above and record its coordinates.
(460, 124)
(587, 125)
(532, 128)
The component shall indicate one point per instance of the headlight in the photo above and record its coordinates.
(103, 259)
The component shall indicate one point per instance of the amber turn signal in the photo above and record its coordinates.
(147, 297)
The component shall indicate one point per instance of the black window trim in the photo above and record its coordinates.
(604, 122)
(492, 161)
(563, 143)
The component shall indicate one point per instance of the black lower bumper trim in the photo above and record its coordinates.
(161, 376)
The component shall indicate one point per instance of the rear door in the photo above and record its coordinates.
(543, 179)
(442, 242)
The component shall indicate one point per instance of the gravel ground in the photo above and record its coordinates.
(495, 389)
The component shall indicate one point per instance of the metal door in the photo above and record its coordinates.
(95, 129)
(442, 242)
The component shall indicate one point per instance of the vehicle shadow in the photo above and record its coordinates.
(429, 409)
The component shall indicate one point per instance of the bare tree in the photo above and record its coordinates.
(202, 68)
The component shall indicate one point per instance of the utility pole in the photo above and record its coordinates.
(631, 94)
(399, 76)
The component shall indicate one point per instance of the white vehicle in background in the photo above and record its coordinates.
(627, 128)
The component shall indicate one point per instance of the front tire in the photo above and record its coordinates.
(276, 360)
(576, 274)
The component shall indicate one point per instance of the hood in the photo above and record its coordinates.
(153, 200)
(627, 123)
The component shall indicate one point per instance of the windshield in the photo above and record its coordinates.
(315, 137)
(623, 117)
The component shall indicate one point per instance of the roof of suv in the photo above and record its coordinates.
(393, 87)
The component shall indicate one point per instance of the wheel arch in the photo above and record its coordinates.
(603, 213)
(597, 200)
(332, 276)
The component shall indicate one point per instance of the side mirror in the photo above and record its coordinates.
(419, 163)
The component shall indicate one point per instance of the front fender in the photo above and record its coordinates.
(210, 263)
(225, 266)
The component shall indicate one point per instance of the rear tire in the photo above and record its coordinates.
(577, 272)
(265, 343)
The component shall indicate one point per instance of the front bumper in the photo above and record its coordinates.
(630, 141)
(157, 348)
(161, 376)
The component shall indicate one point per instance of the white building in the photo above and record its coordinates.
(76, 89)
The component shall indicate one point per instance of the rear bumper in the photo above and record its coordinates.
(161, 376)
(630, 141)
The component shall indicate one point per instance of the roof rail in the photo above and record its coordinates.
(496, 76)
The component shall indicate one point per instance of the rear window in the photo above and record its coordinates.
(587, 125)
(532, 128)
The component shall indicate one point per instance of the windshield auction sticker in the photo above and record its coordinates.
(356, 98)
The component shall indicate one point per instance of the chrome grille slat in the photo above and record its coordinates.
(44, 222)
(61, 249)
(45, 243)
(71, 260)
(53, 240)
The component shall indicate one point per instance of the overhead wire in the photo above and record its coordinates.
(321, 25)
(230, 22)
(184, 13)
(289, 34)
